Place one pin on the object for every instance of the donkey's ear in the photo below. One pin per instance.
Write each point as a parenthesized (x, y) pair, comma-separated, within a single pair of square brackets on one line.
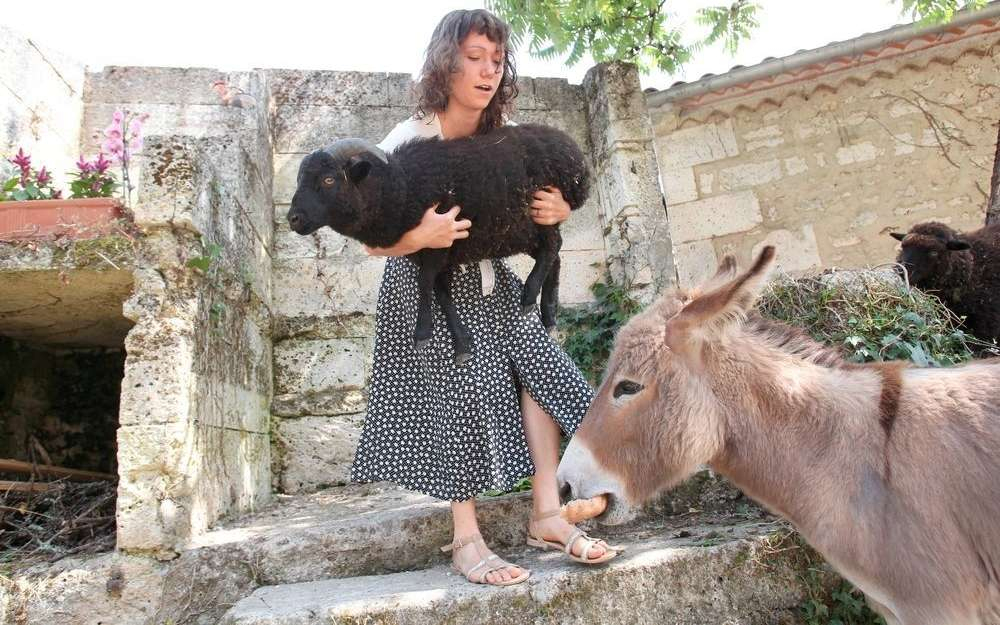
[(709, 314), (725, 272)]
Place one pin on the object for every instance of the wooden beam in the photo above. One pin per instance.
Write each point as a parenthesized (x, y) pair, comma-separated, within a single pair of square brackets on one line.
[(19, 466), (26, 487)]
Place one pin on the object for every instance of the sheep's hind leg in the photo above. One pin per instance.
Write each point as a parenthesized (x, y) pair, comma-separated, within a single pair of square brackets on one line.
[(550, 296), (463, 341), (548, 250)]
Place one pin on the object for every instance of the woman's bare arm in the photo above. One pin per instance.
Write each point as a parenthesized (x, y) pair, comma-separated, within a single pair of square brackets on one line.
[(434, 231)]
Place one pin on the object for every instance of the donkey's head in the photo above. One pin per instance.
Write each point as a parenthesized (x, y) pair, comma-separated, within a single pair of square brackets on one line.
[(655, 418)]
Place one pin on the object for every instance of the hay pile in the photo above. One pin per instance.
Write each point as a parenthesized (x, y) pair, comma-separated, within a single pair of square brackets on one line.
[(872, 315)]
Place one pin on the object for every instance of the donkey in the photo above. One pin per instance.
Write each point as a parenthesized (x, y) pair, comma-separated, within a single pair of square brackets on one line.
[(891, 472)]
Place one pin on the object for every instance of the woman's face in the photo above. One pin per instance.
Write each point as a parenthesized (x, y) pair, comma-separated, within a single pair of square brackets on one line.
[(480, 69)]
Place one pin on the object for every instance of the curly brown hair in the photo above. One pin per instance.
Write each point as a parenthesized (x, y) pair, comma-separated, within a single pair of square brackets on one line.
[(442, 58)]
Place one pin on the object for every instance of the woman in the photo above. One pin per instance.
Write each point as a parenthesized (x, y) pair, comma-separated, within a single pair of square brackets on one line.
[(454, 432)]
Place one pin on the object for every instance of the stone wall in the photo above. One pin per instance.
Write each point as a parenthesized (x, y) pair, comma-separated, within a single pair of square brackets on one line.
[(41, 92), (826, 159), (633, 212), (325, 286), (194, 423)]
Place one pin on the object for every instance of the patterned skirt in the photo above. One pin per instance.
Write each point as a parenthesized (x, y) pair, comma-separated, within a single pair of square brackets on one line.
[(453, 432)]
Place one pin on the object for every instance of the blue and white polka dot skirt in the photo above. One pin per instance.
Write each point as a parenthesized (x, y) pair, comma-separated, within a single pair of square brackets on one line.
[(453, 432)]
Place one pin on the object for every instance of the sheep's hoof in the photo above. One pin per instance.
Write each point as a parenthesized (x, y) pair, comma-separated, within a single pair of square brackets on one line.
[(462, 358), (527, 308), (550, 330), (420, 344)]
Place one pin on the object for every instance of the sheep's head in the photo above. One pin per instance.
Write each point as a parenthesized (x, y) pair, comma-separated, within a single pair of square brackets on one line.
[(335, 186), (927, 250)]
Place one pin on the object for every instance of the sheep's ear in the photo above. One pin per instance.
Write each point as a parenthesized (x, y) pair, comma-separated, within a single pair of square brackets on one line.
[(707, 316), (957, 245), (358, 168), (899, 236)]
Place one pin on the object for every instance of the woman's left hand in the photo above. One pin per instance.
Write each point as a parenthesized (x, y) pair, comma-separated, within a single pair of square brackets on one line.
[(548, 207)]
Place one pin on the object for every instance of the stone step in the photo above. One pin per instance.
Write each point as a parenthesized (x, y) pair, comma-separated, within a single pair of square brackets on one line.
[(747, 573), (342, 532), (350, 531)]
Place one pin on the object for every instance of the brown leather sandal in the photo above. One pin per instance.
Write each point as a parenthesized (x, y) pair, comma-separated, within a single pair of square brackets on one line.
[(567, 547), (487, 565)]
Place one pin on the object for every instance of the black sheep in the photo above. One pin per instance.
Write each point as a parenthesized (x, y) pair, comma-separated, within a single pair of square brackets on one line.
[(361, 192), (962, 269)]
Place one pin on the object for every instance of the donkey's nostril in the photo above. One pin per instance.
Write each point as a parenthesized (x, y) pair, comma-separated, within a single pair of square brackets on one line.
[(565, 490)]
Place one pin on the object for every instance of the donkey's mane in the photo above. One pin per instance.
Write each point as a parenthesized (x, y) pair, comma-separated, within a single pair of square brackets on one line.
[(793, 341)]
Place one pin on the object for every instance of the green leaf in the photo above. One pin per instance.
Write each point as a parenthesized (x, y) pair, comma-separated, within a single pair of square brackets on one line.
[(200, 262), (915, 319), (918, 355)]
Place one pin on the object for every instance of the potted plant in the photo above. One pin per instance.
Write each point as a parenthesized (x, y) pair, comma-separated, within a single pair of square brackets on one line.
[(30, 208)]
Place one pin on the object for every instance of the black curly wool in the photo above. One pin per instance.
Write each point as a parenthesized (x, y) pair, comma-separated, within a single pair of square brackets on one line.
[(962, 269), (375, 198)]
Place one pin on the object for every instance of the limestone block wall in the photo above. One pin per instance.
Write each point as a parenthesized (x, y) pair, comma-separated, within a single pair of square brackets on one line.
[(41, 91), (825, 160), (194, 422), (325, 286), (636, 231)]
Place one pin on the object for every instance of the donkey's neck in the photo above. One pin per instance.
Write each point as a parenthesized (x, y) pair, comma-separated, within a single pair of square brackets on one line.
[(802, 438)]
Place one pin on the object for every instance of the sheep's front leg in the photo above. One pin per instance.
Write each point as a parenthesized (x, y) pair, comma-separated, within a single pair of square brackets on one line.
[(425, 314), (549, 242), (550, 296), (463, 341)]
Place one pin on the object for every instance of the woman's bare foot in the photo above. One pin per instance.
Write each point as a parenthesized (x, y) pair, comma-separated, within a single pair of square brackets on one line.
[(555, 528)]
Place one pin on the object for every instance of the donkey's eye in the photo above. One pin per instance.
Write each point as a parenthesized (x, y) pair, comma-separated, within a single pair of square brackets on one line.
[(626, 387), (328, 181)]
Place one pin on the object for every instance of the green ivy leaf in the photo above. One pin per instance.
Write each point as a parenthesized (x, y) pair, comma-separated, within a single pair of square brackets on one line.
[(200, 262)]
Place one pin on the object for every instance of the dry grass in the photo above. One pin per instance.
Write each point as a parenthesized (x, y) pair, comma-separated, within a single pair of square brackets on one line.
[(873, 315), (75, 518)]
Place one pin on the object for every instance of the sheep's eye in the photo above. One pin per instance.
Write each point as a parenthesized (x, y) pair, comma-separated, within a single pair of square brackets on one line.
[(328, 181), (933, 254), (627, 387)]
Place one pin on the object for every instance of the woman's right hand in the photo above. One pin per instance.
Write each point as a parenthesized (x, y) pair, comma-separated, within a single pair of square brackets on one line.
[(439, 230), (434, 231)]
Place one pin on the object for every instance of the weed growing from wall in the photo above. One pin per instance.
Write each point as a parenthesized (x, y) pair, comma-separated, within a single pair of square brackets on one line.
[(589, 332)]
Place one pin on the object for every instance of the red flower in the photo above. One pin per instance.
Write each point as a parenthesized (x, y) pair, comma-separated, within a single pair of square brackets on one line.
[(101, 164), (22, 160), (83, 165)]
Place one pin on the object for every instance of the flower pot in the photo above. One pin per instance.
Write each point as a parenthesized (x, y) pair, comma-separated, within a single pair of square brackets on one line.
[(83, 218)]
